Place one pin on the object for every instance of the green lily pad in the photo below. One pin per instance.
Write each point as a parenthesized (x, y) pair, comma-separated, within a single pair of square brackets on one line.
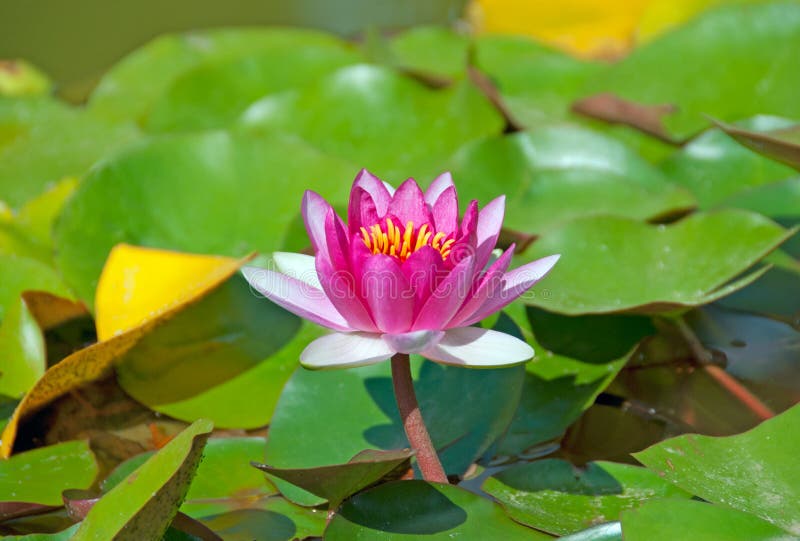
[(611, 264), (418, 510), (760, 36), (337, 482), (40, 475), (390, 124), (43, 141), (555, 496), (214, 95), (273, 520), (667, 520), (248, 399), (754, 472), (132, 86), (538, 84), (18, 274), (434, 50), (714, 167), (22, 349), (778, 200), (214, 340), (143, 505), (558, 173), (342, 412), (576, 359), (781, 144), (244, 190)]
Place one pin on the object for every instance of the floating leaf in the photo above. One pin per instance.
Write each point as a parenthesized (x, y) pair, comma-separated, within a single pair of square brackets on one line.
[(64, 535), (555, 496), (42, 141), (337, 482), (666, 520), (244, 190), (131, 87), (714, 167), (414, 509), (22, 349), (555, 174), (659, 73), (611, 531), (142, 506), (390, 124), (611, 264), (752, 472), (214, 95), (537, 83), (345, 411), (430, 50), (40, 475), (275, 520)]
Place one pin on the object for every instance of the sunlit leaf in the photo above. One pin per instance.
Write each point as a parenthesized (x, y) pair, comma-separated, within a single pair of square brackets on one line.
[(40, 475), (392, 125), (142, 506), (552, 175), (753, 472), (19, 78), (666, 520), (557, 497), (430, 50), (613, 264), (22, 349)]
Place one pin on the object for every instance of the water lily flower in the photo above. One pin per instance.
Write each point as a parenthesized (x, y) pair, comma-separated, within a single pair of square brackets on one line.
[(403, 275)]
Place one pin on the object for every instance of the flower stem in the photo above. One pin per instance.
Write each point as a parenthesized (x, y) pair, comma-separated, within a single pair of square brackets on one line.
[(417, 433)]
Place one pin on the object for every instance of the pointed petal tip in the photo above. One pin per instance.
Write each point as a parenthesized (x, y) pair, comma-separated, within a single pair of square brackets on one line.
[(345, 350), (474, 347)]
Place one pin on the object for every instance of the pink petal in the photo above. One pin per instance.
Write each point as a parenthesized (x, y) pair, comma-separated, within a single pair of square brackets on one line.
[(345, 351), (339, 287), (414, 341), (376, 188), (387, 293), (479, 348), (445, 211), (490, 221), (295, 296), (408, 204), (517, 282), (424, 269), (443, 303), (315, 209), (362, 211), (437, 187), (488, 285)]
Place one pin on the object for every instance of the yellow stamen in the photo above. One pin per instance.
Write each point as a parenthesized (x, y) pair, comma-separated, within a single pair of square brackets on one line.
[(421, 241), (436, 239), (401, 243), (366, 237)]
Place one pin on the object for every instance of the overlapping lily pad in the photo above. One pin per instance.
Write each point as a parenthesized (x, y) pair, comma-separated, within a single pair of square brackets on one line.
[(611, 264), (211, 193), (714, 167), (759, 36), (557, 497), (555, 174), (781, 143), (430, 50), (754, 472), (40, 475), (392, 125), (43, 141), (406, 510), (129, 89), (345, 411)]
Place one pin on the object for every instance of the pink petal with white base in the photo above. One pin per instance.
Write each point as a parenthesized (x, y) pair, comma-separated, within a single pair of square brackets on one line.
[(443, 303), (479, 348), (299, 266), (295, 296), (490, 221), (517, 282), (414, 341), (349, 350)]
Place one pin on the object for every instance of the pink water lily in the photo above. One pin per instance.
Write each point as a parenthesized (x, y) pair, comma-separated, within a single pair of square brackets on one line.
[(403, 275)]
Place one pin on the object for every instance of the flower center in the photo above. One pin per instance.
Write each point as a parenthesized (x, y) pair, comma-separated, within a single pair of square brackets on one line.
[(401, 243)]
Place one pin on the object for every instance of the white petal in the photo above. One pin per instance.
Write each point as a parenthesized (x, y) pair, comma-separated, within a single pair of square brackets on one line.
[(388, 187), (297, 297), (414, 341), (299, 266), (345, 350), (480, 348)]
